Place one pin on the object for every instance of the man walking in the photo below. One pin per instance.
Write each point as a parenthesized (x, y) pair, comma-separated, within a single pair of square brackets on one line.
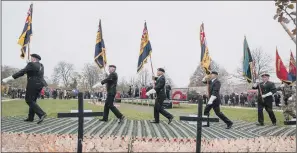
[(215, 100), (288, 100), (265, 99), (111, 87), (159, 89), (35, 83)]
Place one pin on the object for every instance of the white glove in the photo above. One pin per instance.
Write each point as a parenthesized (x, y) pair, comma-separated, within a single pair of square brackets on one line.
[(96, 85), (152, 91), (255, 85), (291, 98), (204, 79), (282, 85), (211, 99), (7, 79), (266, 95)]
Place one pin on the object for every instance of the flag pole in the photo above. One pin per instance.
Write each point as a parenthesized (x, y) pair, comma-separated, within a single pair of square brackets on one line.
[(103, 49), (29, 51), (151, 60), (152, 65)]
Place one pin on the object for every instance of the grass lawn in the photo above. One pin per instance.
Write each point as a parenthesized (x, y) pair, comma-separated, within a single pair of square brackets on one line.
[(135, 112)]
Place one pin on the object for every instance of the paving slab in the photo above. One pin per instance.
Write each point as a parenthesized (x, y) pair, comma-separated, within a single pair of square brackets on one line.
[(143, 128)]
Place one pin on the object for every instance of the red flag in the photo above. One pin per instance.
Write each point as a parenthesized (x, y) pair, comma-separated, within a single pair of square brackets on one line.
[(292, 68), (281, 71)]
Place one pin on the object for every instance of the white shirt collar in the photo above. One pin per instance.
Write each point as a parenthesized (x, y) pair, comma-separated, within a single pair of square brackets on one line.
[(213, 79)]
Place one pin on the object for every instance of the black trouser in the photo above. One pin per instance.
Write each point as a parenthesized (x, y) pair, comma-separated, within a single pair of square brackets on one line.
[(168, 94), (216, 109), (109, 105), (158, 108), (277, 103), (269, 110), (31, 99)]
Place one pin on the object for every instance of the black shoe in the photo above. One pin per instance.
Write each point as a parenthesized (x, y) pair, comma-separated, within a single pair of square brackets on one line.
[(103, 120), (205, 126), (229, 125), (170, 120), (273, 124), (260, 124), (41, 119), (154, 122), (28, 120), (121, 119)]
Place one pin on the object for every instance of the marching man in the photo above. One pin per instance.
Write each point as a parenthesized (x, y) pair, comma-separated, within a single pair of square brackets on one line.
[(159, 89), (214, 101), (35, 83), (288, 100), (265, 99), (111, 82)]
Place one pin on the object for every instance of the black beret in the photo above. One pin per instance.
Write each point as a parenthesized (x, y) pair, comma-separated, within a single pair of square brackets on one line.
[(161, 69), (214, 72), (113, 66), (36, 56), (265, 74)]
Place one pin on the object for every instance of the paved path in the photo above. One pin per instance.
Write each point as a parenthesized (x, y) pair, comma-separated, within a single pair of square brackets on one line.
[(7, 100), (143, 128), (239, 107)]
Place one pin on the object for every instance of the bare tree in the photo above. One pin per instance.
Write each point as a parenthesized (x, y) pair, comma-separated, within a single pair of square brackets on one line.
[(262, 64), (144, 77), (132, 81), (196, 78), (92, 74), (7, 71), (123, 85), (169, 81), (63, 71), (82, 83)]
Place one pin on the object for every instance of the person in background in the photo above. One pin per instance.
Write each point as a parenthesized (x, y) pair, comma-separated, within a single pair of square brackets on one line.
[(277, 98), (42, 93), (136, 95), (241, 99), (168, 89)]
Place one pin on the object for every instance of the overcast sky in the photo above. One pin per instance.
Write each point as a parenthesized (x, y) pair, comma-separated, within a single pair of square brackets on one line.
[(66, 31)]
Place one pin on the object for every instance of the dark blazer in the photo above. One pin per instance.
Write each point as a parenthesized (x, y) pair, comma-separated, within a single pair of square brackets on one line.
[(35, 72), (160, 86), (111, 83), (214, 90), (265, 88)]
